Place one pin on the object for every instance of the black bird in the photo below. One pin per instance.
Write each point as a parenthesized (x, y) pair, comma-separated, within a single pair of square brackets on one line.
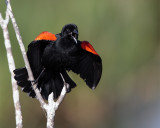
[(49, 55)]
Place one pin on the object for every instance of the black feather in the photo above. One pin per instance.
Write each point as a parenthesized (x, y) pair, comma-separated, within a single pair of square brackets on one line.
[(50, 58)]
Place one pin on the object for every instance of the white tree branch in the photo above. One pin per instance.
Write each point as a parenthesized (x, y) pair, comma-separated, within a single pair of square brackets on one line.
[(18, 114), (20, 42), (63, 93), (52, 106)]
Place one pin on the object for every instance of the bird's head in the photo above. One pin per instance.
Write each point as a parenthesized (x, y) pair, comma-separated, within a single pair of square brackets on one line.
[(71, 31)]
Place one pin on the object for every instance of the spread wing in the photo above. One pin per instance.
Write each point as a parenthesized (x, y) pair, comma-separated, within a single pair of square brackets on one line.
[(89, 65), (36, 49)]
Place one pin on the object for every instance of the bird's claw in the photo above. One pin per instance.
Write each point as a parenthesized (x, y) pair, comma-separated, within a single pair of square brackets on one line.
[(34, 82)]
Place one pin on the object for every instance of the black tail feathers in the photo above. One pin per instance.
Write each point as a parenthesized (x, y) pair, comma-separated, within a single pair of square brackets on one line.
[(21, 76), (50, 82), (47, 83)]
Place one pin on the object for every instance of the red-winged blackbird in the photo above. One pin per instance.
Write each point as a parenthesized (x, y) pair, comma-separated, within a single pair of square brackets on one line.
[(49, 55)]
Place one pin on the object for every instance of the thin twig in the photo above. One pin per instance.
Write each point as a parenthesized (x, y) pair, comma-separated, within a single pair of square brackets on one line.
[(63, 93), (19, 38), (52, 106), (11, 64)]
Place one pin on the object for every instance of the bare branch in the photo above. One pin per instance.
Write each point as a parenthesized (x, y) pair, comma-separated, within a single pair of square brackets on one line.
[(50, 111), (63, 93), (19, 38), (52, 106), (4, 24)]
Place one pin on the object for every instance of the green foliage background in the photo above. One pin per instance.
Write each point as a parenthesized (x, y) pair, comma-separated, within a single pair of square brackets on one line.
[(125, 33)]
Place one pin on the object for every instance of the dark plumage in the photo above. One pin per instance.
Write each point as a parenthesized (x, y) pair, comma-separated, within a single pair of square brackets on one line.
[(49, 55)]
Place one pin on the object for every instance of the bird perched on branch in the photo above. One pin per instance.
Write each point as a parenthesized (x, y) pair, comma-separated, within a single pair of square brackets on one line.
[(51, 55)]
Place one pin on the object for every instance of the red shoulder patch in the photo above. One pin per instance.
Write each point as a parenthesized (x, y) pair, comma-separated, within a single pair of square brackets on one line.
[(88, 47), (46, 36)]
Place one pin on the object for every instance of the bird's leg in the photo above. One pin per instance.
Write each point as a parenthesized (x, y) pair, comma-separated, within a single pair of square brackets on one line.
[(35, 81)]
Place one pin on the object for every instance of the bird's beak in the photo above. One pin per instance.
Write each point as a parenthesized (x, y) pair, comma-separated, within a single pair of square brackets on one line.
[(74, 39), (73, 36)]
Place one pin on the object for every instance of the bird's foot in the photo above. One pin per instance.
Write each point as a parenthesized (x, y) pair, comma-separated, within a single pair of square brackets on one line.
[(34, 82)]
